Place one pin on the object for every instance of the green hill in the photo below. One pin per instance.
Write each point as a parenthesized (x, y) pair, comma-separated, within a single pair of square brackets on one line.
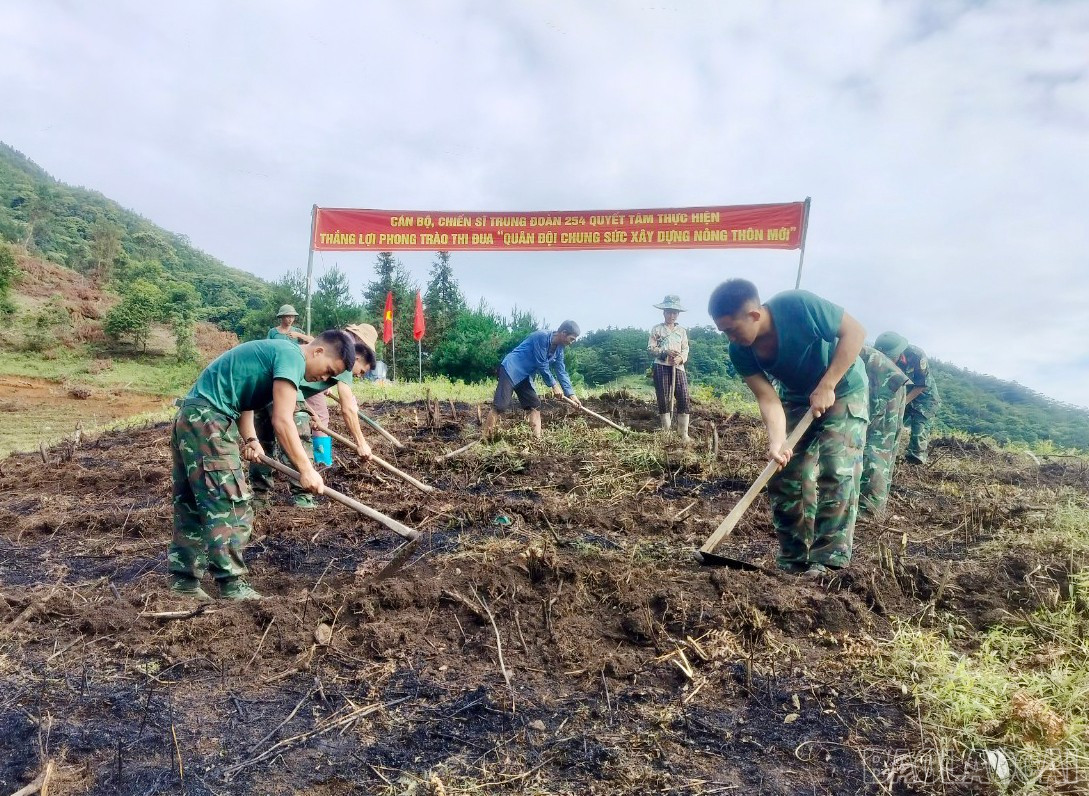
[(1007, 411), (94, 236)]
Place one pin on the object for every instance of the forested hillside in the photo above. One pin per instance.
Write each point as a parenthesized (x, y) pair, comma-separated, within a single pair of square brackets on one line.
[(115, 247), (1007, 411)]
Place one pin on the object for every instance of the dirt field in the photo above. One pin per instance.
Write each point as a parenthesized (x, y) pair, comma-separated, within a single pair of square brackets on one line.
[(32, 410), (552, 634)]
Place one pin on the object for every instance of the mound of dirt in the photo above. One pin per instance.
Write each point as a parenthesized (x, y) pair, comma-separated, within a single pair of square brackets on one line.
[(551, 634)]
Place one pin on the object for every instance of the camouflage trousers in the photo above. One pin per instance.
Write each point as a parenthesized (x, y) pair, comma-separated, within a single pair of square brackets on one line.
[(261, 475), (879, 458), (920, 424), (814, 499), (212, 515)]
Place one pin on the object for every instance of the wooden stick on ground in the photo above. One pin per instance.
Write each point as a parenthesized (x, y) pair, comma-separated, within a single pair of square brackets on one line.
[(373, 424), (592, 413), (458, 452), (40, 783)]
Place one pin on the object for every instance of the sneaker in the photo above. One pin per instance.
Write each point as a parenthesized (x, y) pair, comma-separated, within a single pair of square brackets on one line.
[(190, 588), (305, 502), (237, 589)]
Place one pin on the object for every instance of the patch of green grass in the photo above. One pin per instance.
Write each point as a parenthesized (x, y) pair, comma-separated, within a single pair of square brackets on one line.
[(149, 373)]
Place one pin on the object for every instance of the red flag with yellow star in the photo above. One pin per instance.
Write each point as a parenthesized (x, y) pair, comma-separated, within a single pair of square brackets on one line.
[(387, 319)]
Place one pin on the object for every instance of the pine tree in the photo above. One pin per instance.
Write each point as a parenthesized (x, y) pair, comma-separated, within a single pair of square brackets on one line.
[(332, 306), (443, 301), (391, 275)]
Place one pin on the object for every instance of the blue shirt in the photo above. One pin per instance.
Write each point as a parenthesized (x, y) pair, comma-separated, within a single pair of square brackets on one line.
[(532, 357)]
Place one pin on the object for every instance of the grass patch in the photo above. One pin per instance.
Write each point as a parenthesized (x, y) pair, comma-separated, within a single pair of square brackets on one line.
[(1015, 709), (1024, 693), (148, 373)]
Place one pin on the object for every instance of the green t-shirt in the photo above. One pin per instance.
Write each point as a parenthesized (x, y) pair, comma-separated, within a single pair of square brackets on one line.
[(241, 379), (807, 327), (275, 334), (308, 388)]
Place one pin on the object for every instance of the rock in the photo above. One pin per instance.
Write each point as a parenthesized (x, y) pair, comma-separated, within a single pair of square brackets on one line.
[(323, 634)]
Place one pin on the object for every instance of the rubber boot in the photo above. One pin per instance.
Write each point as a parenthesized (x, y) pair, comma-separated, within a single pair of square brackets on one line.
[(667, 422), (535, 422), (682, 428)]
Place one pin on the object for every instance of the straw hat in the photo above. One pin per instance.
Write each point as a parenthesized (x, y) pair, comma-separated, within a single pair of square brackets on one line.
[(287, 309), (670, 303), (365, 332)]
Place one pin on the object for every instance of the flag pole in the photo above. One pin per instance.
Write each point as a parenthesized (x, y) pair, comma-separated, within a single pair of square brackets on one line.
[(393, 353), (801, 255), (310, 264), (420, 350)]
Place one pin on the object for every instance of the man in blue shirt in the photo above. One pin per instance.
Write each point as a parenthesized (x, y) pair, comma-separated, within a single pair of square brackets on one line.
[(533, 355)]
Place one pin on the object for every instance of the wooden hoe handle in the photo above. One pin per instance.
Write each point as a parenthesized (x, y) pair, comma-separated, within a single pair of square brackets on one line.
[(401, 530), (420, 485), (373, 424), (742, 506), (595, 414)]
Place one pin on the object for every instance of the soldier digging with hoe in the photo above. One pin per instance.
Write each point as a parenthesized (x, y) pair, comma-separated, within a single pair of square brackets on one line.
[(213, 433), (810, 346)]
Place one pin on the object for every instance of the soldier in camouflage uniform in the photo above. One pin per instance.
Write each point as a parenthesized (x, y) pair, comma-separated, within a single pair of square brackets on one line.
[(810, 346), (212, 516), (262, 476), (922, 396), (887, 393)]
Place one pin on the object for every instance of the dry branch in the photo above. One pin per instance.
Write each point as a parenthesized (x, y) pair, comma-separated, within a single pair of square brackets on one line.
[(452, 454), (498, 647), (40, 783)]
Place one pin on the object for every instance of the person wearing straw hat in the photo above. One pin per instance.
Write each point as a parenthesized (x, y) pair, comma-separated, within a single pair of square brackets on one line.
[(669, 346), (262, 476), (287, 330), (922, 397)]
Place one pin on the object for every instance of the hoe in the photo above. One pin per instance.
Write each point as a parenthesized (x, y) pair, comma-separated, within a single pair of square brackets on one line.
[(411, 536), (707, 554)]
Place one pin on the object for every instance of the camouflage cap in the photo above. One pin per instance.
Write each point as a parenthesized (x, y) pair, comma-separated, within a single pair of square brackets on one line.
[(286, 309), (891, 344)]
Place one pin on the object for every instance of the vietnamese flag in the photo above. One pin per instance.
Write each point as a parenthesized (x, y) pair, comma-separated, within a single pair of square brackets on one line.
[(387, 319), (419, 327)]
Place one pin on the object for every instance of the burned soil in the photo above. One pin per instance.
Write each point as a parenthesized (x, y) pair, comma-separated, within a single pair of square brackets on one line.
[(552, 633)]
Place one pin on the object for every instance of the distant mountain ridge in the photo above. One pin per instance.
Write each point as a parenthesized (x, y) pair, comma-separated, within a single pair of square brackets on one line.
[(95, 236)]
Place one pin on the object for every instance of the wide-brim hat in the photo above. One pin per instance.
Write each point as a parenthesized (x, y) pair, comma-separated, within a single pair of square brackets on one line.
[(891, 344), (287, 309), (367, 334), (670, 303)]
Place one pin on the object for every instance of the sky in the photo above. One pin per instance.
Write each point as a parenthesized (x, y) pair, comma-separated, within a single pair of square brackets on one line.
[(945, 145)]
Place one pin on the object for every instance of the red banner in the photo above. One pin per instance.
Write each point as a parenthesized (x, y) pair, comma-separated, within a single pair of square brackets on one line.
[(419, 326), (773, 226)]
